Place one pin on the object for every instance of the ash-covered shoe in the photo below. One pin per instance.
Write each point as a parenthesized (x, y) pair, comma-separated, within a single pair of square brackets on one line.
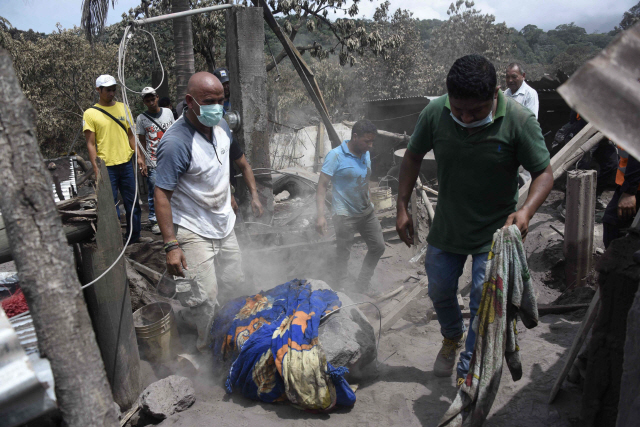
[(446, 359), (155, 229)]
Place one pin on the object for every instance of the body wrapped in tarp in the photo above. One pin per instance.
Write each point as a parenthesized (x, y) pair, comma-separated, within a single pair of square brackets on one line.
[(272, 339)]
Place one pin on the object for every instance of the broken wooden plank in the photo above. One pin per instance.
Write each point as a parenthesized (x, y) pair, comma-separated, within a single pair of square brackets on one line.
[(566, 153), (389, 295), (71, 204), (130, 413), (76, 233), (578, 341), (401, 308), (559, 309), (429, 190), (426, 200), (144, 269)]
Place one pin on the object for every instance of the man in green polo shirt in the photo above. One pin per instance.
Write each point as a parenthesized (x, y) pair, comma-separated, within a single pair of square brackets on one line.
[(479, 138)]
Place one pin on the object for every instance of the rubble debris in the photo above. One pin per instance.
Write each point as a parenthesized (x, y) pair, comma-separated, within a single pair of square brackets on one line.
[(284, 195), (166, 397), (147, 374), (347, 337)]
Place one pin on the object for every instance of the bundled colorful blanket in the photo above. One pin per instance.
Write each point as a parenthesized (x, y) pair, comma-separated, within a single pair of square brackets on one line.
[(272, 338), (506, 294)]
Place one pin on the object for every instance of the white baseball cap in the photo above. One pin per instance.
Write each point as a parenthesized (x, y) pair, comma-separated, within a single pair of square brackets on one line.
[(148, 91), (105, 80)]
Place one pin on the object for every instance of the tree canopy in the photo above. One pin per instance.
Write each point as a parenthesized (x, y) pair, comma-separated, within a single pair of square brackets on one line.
[(393, 54)]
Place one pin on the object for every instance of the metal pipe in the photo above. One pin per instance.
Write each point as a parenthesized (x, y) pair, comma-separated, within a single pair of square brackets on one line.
[(143, 21)]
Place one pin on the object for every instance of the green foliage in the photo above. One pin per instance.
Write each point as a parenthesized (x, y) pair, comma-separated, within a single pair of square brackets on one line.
[(629, 19), (467, 31), (57, 74), (401, 71), (565, 48)]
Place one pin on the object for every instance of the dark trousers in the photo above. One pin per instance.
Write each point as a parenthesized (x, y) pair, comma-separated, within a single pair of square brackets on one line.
[(612, 226), (123, 179), (151, 185), (369, 228), (603, 158)]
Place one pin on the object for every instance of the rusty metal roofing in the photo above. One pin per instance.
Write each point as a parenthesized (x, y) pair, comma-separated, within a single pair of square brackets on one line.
[(606, 91)]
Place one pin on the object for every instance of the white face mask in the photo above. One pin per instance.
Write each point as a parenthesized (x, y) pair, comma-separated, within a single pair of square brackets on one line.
[(477, 123)]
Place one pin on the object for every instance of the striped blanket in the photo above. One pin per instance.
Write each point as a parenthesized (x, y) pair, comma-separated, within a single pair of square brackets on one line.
[(507, 293)]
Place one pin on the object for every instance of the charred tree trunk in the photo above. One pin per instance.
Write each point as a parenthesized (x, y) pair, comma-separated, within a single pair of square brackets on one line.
[(45, 264), (183, 45)]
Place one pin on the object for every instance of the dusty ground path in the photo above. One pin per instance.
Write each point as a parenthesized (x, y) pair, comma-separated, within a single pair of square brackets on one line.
[(404, 391)]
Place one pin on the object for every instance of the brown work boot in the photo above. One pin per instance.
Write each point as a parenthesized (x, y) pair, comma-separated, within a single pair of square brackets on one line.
[(446, 360)]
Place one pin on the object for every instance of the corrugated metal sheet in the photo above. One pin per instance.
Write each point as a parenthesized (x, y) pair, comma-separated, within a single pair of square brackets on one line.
[(26, 385), (606, 91)]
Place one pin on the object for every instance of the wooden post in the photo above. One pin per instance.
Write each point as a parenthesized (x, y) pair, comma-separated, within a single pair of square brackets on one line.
[(108, 299), (45, 264), (579, 223), (245, 51)]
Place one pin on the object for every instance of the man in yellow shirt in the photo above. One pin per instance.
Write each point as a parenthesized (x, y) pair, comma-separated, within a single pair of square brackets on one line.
[(107, 129)]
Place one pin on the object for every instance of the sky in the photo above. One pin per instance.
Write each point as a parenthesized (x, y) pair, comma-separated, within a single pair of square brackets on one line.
[(593, 15)]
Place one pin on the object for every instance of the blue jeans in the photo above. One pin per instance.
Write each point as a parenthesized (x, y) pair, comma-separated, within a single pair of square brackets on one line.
[(443, 271), (123, 179), (151, 185)]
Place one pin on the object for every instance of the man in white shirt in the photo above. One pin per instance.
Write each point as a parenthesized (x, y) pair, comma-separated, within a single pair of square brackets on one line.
[(519, 90), (193, 205)]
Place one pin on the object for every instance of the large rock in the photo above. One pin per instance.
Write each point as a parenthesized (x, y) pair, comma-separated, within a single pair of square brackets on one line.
[(166, 397), (347, 337)]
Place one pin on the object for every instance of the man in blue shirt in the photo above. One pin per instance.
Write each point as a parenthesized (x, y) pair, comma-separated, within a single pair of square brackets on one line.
[(348, 168)]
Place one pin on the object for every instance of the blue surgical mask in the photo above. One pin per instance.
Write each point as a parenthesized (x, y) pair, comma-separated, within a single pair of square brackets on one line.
[(210, 115), (477, 123)]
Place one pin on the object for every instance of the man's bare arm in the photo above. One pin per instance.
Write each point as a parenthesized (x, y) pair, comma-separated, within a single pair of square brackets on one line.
[(250, 180), (409, 170), (321, 194), (176, 260), (541, 185)]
